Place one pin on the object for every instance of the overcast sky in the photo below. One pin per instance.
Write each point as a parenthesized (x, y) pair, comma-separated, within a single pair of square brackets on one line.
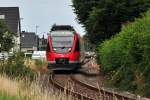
[(44, 13)]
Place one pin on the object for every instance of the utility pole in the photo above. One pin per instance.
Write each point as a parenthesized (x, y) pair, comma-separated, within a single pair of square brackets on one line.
[(36, 27)]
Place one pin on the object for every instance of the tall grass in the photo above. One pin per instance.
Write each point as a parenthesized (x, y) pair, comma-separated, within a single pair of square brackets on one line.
[(6, 96), (19, 82), (14, 67), (38, 89)]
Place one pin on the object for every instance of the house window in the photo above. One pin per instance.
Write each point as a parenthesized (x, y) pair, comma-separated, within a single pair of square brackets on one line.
[(2, 16), (22, 35)]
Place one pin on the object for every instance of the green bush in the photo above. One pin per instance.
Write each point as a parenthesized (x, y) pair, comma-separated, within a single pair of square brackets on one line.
[(126, 57), (15, 68)]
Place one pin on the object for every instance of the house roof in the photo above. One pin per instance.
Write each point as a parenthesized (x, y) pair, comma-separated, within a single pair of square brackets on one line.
[(12, 18), (29, 40)]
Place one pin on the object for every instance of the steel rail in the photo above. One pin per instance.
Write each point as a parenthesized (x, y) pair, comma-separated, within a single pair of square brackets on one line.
[(75, 94), (103, 91)]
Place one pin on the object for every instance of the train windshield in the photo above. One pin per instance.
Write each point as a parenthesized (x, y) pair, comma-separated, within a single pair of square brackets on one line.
[(62, 42)]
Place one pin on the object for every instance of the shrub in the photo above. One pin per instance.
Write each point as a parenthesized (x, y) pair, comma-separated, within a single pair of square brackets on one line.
[(15, 68), (126, 57)]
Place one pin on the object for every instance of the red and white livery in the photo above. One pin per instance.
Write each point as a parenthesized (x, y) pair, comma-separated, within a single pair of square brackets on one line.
[(64, 50)]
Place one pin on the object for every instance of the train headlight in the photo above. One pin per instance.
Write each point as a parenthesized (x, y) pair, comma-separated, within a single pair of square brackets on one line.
[(69, 49)]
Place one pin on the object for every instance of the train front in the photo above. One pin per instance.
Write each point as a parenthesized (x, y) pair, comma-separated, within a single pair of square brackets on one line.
[(63, 51)]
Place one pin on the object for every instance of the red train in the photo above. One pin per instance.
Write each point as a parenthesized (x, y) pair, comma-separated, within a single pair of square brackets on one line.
[(64, 48)]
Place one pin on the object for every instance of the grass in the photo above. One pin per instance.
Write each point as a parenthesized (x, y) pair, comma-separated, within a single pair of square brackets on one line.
[(14, 67), (8, 85), (20, 86), (12, 89), (9, 89), (36, 65), (5, 96), (20, 79)]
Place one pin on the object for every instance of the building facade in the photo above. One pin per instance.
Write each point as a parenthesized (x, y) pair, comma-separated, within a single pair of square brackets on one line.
[(29, 42), (12, 18), (42, 44)]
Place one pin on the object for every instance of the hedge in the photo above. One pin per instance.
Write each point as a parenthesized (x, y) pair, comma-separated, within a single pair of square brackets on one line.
[(125, 58)]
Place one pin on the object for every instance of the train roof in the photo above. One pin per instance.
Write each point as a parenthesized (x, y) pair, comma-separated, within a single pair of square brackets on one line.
[(62, 27)]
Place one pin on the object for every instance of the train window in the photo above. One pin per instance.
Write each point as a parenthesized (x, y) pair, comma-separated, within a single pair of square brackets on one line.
[(77, 48), (62, 44), (62, 41), (48, 47)]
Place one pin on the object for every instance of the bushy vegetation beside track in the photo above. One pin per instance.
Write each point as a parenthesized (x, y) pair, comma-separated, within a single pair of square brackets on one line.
[(125, 58), (14, 67)]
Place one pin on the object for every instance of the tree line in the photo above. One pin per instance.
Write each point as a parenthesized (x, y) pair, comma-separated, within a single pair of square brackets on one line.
[(102, 19)]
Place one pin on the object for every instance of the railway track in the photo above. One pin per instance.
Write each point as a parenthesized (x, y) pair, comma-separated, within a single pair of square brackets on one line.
[(82, 91)]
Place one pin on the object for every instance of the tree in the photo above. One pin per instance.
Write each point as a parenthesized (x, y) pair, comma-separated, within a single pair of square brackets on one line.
[(6, 37), (82, 8), (104, 18)]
